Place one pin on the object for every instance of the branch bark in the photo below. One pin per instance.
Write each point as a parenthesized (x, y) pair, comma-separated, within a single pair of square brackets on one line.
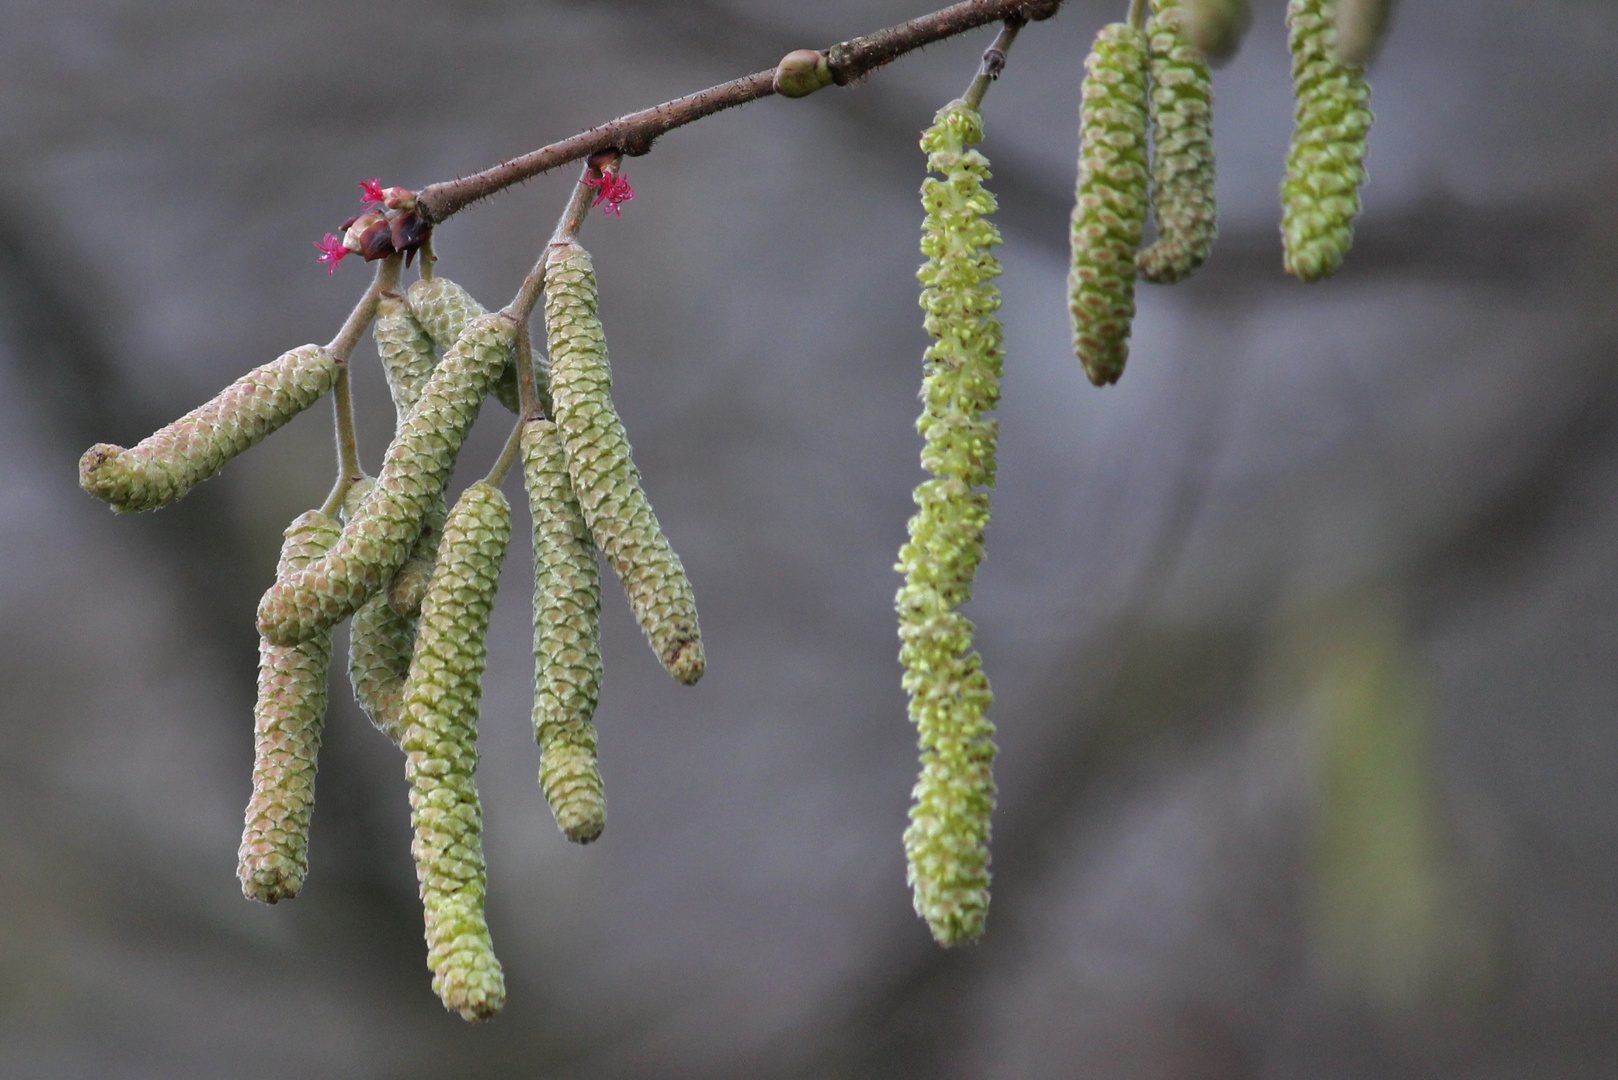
[(634, 134)]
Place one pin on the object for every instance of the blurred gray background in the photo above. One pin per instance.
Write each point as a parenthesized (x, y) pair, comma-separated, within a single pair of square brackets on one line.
[(1303, 636)]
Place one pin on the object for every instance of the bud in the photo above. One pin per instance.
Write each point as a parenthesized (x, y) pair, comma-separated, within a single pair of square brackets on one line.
[(1216, 27), (417, 466), (1320, 195), (801, 73), (603, 472), (946, 845), (567, 638), (1110, 212), (444, 309), (1181, 106), (170, 462), (440, 744), (287, 721)]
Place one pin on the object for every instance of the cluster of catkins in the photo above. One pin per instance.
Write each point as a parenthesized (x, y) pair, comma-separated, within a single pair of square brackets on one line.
[(1156, 77), (1149, 74), (419, 580)]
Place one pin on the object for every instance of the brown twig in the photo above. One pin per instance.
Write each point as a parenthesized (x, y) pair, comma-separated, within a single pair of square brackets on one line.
[(634, 134)]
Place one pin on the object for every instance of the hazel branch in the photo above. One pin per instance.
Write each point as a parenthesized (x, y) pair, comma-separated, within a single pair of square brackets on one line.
[(994, 62), (634, 134)]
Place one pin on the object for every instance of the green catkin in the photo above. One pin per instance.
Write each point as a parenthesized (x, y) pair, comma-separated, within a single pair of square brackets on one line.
[(417, 466), (567, 639), (170, 462), (440, 743), (1181, 106), (1109, 214), (1216, 27), (1320, 195), (379, 645), (947, 842), (444, 309), (1360, 25), (409, 585), (408, 357), (604, 475), (287, 721)]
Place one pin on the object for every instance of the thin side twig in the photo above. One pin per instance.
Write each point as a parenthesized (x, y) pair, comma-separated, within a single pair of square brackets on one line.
[(634, 134)]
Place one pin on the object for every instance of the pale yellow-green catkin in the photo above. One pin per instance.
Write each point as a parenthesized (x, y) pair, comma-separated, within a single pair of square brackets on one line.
[(1216, 27), (380, 642), (170, 462), (409, 585), (1360, 25), (604, 475), (440, 743), (417, 466), (567, 639), (1181, 106), (287, 722), (947, 842), (444, 309), (407, 352), (379, 645), (1109, 214), (1320, 196)]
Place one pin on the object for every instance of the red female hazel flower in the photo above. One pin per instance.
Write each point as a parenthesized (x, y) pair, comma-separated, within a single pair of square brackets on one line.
[(613, 189), (373, 190), (332, 251)]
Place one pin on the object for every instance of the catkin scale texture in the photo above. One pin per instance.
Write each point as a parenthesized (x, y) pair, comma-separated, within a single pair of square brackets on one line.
[(567, 638), (444, 309), (407, 352), (1109, 214), (604, 476), (947, 841), (1325, 167), (173, 460), (441, 754), (417, 466), (380, 642), (1181, 108), (287, 721)]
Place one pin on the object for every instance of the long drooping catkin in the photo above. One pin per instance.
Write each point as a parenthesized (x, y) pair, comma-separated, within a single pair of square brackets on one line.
[(444, 309), (1109, 214), (604, 475), (407, 352), (947, 843), (1181, 106), (417, 466), (287, 722), (440, 743), (567, 638), (380, 642), (1320, 196), (170, 462)]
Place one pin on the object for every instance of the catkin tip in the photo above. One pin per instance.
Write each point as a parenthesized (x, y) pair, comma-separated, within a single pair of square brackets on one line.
[(686, 660)]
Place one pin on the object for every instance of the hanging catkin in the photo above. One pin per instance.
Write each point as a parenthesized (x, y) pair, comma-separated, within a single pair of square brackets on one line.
[(1109, 214), (444, 309), (170, 462), (1216, 27), (1181, 106), (407, 352), (409, 585), (567, 645), (604, 475), (408, 357), (417, 466), (947, 842), (440, 743), (1320, 195), (287, 721)]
